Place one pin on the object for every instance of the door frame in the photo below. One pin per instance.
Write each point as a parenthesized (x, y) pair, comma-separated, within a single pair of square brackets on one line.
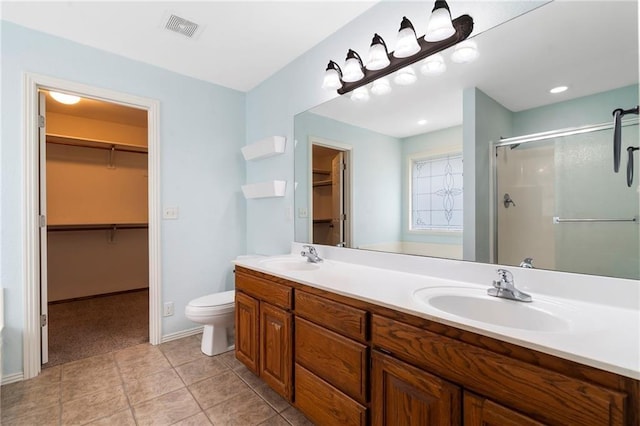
[(32, 83), (347, 185)]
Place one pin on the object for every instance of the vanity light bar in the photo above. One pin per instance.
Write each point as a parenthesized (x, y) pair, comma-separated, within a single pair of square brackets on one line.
[(463, 26)]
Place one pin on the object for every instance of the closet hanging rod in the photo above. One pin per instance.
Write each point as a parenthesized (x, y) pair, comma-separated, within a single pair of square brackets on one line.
[(557, 219), (101, 227), (88, 143), (534, 137)]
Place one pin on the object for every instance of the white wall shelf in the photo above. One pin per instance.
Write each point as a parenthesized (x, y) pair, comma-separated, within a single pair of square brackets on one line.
[(273, 188), (264, 148)]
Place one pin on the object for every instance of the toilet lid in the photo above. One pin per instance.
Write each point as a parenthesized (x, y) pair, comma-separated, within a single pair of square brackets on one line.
[(215, 299)]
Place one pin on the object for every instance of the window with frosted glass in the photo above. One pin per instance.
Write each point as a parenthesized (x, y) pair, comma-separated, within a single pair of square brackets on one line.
[(436, 193)]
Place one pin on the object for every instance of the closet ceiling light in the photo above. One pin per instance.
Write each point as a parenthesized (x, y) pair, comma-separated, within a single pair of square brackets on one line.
[(409, 49), (558, 89), (64, 98), (422, 122), (407, 44), (440, 26)]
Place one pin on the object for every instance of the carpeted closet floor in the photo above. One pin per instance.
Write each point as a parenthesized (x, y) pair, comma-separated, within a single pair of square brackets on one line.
[(84, 328)]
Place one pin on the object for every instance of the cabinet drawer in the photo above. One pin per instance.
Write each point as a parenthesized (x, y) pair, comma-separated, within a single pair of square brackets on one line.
[(336, 316), (547, 396), (268, 291), (324, 404), (335, 358)]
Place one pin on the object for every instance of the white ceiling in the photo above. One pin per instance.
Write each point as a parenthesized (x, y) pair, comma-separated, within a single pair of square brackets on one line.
[(589, 46), (241, 44)]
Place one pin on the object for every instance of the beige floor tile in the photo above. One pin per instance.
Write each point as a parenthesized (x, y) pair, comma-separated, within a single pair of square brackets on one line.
[(166, 409), (152, 386), (121, 418), (52, 374), (19, 398), (229, 358), (43, 415), (89, 381), (295, 417), (199, 419), (140, 361), (274, 399), (182, 351), (249, 377), (245, 409), (200, 369), (94, 406), (276, 420), (217, 389), (98, 362)]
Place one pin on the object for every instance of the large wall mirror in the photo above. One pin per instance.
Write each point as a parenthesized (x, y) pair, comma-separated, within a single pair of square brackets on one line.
[(433, 169)]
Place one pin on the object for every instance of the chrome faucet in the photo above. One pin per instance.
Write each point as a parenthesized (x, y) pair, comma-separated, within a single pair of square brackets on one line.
[(311, 254), (527, 262), (506, 289)]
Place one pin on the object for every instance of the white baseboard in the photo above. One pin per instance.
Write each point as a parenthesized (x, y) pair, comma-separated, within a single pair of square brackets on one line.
[(181, 334), (12, 378)]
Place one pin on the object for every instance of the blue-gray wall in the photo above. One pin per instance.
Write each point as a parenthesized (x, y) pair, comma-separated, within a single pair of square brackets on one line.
[(376, 178), (202, 127)]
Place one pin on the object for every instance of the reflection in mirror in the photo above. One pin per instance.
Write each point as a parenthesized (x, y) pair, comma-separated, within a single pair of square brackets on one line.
[(408, 192)]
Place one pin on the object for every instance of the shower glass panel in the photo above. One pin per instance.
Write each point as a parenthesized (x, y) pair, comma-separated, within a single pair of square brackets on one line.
[(557, 183)]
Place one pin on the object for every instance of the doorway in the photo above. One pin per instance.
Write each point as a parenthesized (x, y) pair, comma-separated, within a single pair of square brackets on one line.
[(95, 254), (35, 228), (330, 195)]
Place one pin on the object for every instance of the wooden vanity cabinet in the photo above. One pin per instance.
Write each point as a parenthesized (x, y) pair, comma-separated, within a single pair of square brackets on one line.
[(331, 360), (479, 411), (264, 330)]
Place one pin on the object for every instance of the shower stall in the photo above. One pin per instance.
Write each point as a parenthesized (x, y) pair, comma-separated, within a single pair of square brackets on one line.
[(558, 201)]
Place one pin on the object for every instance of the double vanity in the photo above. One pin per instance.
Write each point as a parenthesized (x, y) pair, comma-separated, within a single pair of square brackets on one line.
[(369, 338)]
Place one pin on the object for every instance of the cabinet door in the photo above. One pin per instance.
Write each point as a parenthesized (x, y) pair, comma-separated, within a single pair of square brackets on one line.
[(480, 411), (247, 331), (405, 395), (275, 348)]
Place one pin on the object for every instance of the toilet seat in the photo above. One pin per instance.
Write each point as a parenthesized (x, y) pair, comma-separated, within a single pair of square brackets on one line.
[(216, 299)]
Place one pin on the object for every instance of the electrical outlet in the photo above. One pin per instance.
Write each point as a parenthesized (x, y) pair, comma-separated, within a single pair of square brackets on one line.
[(168, 309), (170, 213), (303, 212)]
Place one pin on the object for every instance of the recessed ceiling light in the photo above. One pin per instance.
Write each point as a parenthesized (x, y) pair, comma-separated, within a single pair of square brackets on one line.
[(558, 89), (422, 122)]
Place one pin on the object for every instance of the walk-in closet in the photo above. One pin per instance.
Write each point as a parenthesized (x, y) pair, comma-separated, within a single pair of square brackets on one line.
[(97, 256)]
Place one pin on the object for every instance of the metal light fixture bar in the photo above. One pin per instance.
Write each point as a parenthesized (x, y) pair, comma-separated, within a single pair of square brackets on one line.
[(463, 26)]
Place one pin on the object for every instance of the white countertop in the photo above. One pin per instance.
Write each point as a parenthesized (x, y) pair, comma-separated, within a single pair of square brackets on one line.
[(603, 334)]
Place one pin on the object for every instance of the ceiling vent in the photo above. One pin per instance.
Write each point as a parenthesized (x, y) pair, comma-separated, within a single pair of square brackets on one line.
[(181, 26)]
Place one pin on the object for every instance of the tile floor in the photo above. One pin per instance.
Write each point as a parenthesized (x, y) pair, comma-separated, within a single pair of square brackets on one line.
[(168, 384)]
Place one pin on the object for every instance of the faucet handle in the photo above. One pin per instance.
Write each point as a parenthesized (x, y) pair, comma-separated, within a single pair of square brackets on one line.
[(506, 277)]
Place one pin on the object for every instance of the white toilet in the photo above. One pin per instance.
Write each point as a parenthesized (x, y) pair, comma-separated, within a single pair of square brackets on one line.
[(216, 311)]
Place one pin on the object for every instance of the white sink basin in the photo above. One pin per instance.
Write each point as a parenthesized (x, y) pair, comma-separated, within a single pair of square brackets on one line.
[(289, 264), (472, 303)]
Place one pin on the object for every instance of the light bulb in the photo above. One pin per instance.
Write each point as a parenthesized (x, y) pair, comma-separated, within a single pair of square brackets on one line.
[(465, 51), (405, 77), (378, 55), (433, 65), (361, 94), (407, 44), (352, 70), (381, 87), (439, 26), (331, 80)]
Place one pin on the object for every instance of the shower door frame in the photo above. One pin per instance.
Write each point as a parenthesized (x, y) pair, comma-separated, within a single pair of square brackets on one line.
[(532, 137)]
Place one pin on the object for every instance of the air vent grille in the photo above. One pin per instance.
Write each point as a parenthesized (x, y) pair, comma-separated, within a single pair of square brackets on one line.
[(181, 25)]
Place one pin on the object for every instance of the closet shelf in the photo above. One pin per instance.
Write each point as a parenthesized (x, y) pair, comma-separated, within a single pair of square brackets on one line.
[(94, 143), (273, 188), (264, 148), (97, 226), (323, 182)]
